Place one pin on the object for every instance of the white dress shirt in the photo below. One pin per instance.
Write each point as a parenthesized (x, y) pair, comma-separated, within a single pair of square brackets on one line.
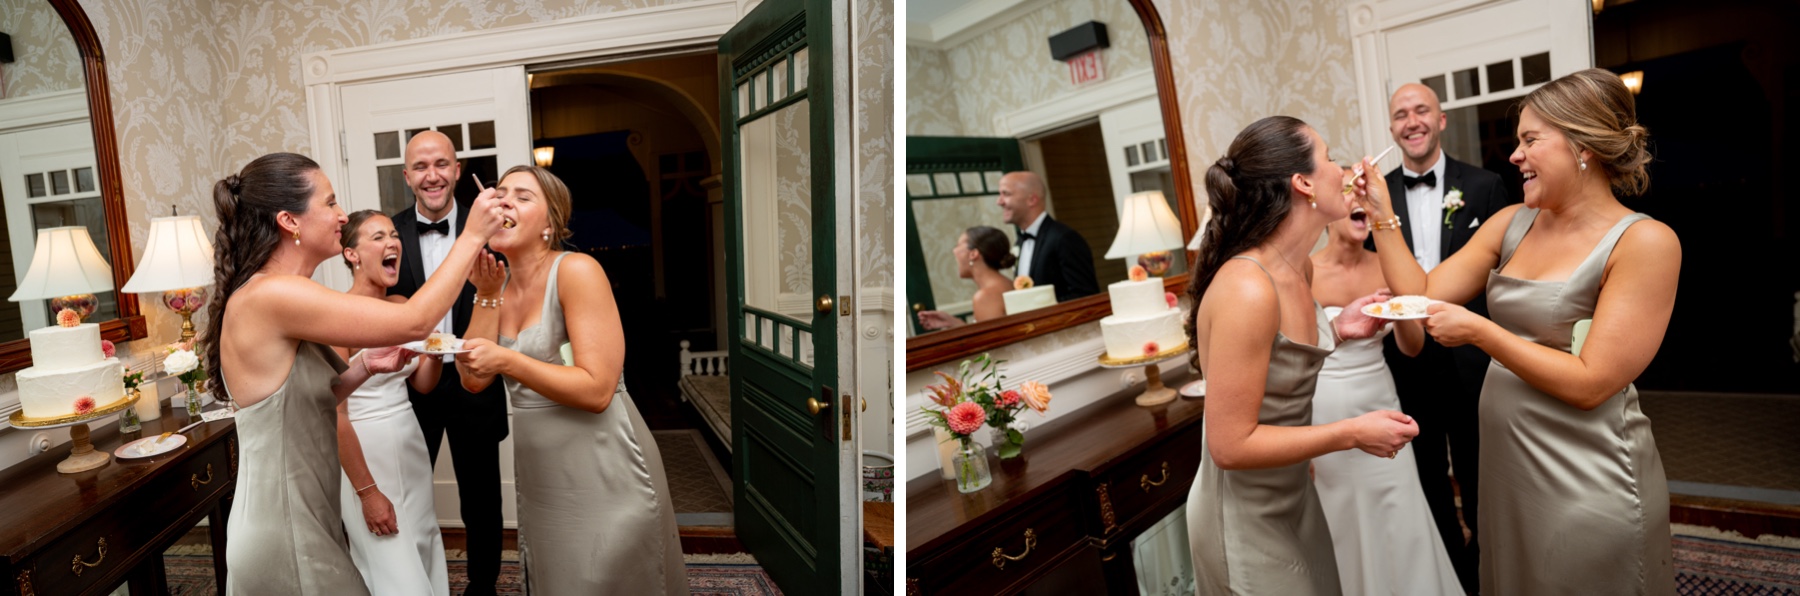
[(1025, 249), (433, 249), (1425, 205)]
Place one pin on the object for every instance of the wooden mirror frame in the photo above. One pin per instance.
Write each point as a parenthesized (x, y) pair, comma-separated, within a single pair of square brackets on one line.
[(130, 325), (930, 349)]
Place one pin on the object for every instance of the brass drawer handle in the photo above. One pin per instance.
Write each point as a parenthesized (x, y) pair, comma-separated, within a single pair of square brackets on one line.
[(195, 480), (1000, 556), (79, 565), (1148, 484)]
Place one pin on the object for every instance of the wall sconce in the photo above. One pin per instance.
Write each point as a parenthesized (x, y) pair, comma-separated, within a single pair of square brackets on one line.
[(1599, 5), (543, 156), (1634, 81)]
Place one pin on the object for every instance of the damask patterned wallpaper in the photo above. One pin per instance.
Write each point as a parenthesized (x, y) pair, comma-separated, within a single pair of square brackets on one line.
[(874, 74), (930, 94), (44, 55), (1009, 67)]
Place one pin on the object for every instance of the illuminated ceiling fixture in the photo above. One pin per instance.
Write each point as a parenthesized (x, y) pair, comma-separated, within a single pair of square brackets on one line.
[(1634, 81), (543, 156)]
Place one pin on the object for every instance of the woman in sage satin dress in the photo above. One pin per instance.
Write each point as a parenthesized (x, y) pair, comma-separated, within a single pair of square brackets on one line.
[(267, 349), (1573, 495), (1255, 525), (594, 509)]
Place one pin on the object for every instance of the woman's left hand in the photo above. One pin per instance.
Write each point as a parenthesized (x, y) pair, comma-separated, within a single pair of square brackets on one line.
[(483, 358), (1453, 325), (387, 360), (1353, 324)]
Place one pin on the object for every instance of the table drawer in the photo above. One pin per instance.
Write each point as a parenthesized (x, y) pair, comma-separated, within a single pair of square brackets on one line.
[(1012, 552), (1137, 486), (187, 484)]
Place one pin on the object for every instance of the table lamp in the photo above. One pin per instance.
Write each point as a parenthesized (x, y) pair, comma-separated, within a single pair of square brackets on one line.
[(178, 261), (1149, 229), (66, 269)]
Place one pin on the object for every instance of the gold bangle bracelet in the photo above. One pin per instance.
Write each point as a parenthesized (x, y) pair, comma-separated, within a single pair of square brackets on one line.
[(1392, 223), (494, 302)]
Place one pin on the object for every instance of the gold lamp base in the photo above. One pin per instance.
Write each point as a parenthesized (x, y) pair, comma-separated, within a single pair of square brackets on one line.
[(1156, 263)]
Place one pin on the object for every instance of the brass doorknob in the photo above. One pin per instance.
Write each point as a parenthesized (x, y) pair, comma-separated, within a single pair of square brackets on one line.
[(918, 306), (823, 304), (815, 406)]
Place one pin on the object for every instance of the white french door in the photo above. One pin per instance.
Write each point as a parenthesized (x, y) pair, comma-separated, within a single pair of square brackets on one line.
[(47, 176), (486, 114), (1472, 52)]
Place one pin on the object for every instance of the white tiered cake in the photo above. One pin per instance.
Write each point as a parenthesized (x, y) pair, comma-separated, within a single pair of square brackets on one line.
[(1143, 322), (67, 366), (1032, 298)]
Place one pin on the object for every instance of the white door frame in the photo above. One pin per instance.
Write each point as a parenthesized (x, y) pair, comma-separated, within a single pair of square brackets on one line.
[(1566, 32)]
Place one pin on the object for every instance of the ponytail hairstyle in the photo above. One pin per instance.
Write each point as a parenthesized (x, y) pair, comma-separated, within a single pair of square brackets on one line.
[(247, 203), (991, 244), (351, 231), (1248, 194)]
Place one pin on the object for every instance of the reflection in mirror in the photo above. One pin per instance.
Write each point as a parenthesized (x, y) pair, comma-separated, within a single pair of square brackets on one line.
[(47, 163), (1082, 132)]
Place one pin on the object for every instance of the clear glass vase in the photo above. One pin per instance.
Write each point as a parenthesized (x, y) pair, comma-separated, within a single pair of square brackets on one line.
[(193, 400), (971, 468), (128, 417)]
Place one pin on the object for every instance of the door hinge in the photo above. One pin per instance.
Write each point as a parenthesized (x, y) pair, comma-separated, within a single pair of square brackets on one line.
[(843, 306), (344, 145), (845, 413)]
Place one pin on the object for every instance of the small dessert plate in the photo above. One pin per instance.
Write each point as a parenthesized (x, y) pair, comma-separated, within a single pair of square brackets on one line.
[(150, 447), (1194, 389), (419, 346), (1411, 308)]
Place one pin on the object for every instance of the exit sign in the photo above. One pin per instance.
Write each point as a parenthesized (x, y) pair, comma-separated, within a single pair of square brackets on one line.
[(1086, 70)]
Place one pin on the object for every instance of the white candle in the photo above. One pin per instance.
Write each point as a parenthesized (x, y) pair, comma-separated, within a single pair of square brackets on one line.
[(148, 407), (948, 447)]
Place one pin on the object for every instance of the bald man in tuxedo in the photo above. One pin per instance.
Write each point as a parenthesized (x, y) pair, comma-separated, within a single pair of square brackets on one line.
[(1050, 252)]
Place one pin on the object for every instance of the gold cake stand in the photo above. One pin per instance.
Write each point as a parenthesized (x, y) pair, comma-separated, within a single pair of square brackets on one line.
[(1155, 394), (83, 457)]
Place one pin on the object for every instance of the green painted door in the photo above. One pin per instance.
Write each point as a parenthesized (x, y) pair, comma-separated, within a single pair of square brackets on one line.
[(777, 115), (940, 172)]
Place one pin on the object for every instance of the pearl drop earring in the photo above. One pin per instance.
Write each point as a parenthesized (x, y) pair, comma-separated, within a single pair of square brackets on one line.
[(1584, 165)]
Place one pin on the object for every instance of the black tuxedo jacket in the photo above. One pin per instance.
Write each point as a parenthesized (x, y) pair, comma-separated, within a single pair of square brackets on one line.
[(449, 398), (1483, 196), (1062, 257)]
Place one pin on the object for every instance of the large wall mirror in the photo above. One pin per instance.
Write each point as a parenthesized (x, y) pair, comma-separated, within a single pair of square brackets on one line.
[(987, 97), (59, 165)]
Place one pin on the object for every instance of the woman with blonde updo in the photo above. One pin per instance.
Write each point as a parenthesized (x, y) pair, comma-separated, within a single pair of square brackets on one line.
[(1573, 496), (1255, 524), (594, 510)]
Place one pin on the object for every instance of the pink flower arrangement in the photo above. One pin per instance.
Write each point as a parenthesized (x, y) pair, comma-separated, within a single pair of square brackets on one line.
[(107, 348), (83, 404), (965, 418)]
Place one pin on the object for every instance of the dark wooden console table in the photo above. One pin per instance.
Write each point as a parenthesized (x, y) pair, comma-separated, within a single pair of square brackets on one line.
[(1060, 518), (89, 532)]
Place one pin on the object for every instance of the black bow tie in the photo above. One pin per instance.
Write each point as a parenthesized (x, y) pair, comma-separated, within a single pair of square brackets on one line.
[(441, 227), (1023, 236), (1429, 179)]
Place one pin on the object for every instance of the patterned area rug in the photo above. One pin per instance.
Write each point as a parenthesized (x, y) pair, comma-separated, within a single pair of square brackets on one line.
[(1728, 568), (708, 575), (698, 485)]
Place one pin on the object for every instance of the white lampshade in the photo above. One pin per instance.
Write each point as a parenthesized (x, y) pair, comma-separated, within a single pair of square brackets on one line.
[(1146, 224), (179, 255), (64, 263)]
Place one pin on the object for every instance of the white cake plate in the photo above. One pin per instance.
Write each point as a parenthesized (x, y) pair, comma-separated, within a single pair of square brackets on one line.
[(83, 457), (1155, 394)]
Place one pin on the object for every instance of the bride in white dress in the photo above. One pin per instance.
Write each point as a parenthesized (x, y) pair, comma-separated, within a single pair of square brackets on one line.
[(388, 510), (1381, 529)]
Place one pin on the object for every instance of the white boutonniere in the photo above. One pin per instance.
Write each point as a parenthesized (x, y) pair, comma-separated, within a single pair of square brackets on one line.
[(1452, 202)]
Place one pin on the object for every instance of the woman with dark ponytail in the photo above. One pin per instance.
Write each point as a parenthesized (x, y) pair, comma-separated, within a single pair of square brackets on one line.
[(267, 349), (1255, 525), (1581, 287), (980, 254)]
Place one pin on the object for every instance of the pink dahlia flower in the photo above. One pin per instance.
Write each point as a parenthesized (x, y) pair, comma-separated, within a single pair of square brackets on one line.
[(1009, 399), (965, 418)]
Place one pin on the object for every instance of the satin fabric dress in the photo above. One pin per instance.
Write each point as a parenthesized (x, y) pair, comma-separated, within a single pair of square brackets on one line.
[(594, 509), (411, 560), (1381, 529), (1262, 531), (285, 534), (1572, 502)]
